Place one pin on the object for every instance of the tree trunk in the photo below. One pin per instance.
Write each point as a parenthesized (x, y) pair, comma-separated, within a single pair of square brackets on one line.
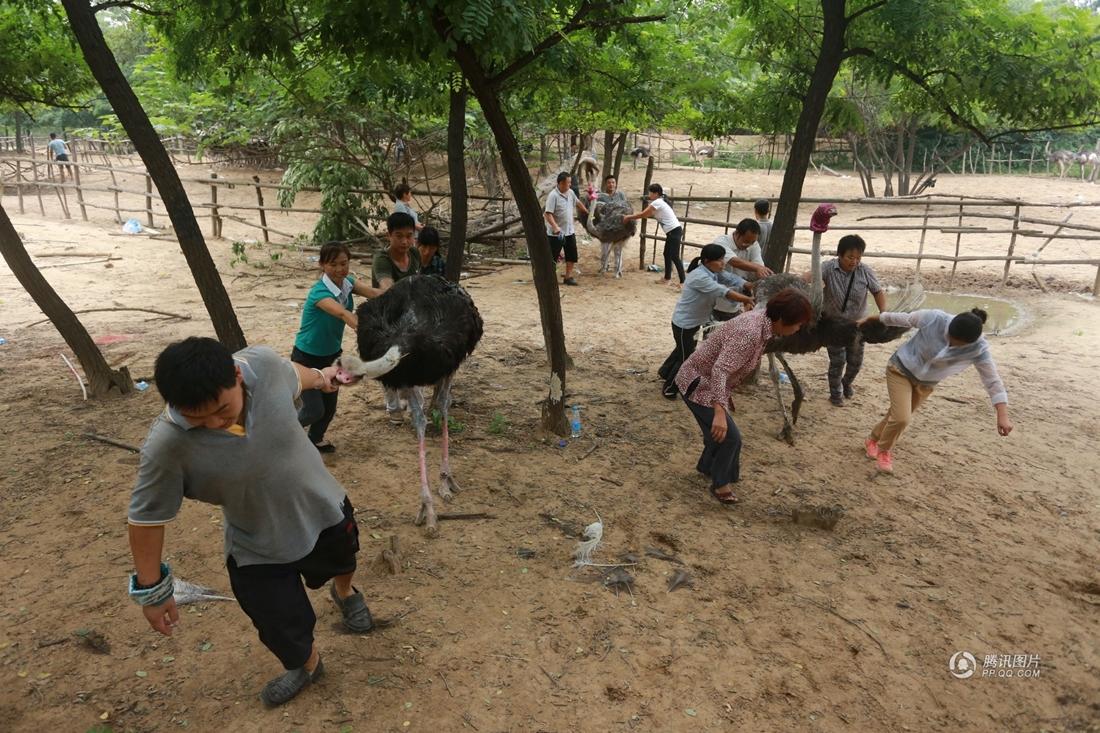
[(18, 131), (101, 378), (544, 156), (619, 149), (542, 264), (608, 149), (813, 106), (148, 145), (456, 173)]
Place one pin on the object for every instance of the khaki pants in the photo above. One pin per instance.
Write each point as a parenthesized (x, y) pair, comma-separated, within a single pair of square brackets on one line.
[(905, 398)]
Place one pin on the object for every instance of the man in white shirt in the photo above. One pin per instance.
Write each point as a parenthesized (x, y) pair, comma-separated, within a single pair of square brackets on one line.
[(745, 261), (561, 206)]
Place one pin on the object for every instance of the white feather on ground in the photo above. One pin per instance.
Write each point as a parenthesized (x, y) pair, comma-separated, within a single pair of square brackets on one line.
[(593, 534)]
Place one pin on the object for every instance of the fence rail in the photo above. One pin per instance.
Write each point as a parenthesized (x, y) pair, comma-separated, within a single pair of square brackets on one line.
[(962, 208)]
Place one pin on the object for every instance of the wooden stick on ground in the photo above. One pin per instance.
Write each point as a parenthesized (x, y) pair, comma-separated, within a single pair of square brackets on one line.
[(139, 310), (469, 515), (847, 620), (392, 556), (112, 441)]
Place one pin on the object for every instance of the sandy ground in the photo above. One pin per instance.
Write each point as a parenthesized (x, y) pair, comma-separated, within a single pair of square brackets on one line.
[(977, 543)]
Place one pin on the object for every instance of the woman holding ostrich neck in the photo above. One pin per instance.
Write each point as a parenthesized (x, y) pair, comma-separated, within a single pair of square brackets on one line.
[(728, 356)]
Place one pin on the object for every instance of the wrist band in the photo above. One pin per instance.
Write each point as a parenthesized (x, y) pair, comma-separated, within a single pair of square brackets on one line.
[(156, 594), (321, 375)]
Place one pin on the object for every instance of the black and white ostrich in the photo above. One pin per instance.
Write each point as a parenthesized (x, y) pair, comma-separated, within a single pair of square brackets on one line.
[(414, 335), (826, 328)]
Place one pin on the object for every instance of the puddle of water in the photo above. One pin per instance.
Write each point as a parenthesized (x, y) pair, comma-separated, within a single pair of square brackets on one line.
[(1002, 314)]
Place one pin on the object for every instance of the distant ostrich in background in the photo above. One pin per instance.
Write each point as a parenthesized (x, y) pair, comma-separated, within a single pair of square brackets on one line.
[(417, 334), (1064, 159), (1090, 160), (706, 151), (639, 152), (825, 328)]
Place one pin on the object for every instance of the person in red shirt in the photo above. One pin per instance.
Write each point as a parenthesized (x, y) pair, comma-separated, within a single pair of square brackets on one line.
[(724, 360)]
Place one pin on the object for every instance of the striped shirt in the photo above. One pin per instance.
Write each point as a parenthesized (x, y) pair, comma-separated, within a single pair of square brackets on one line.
[(726, 358), (929, 358), (863, 281)]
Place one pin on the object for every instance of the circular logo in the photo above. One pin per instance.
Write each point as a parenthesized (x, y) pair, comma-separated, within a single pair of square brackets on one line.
[(962, 665)]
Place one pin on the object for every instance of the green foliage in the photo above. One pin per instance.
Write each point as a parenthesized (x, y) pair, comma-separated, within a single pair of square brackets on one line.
[(498, 424), (41, 63), (453, 425)]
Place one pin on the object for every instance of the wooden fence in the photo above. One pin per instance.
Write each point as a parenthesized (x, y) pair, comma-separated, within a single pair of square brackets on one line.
[(967, 215), (124, 188)]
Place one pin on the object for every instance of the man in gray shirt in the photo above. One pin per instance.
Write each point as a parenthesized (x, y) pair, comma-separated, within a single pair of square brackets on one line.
[(561, 206), (229, 436)]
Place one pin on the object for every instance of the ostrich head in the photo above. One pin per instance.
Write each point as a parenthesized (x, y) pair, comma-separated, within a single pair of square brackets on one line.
[(819, 222), (352, 368)]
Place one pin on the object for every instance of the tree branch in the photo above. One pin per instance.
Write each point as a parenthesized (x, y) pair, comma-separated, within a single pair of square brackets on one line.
[(125, 4), (921, 82), (861, 11), (575, 24)]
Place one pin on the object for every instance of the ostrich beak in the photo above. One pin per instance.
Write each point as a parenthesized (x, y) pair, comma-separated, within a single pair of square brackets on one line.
[(352, 368)]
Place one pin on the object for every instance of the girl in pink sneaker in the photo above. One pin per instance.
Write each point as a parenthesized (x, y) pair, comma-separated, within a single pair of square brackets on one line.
[(944, 345)]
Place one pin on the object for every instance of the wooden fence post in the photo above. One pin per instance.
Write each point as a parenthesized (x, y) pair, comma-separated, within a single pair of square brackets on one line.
[(263, 214), (1096, 284), (37, 186), (729, 212), (641, 239), (923, 234), (149, 199), (215, 220), (684, 226), (958, 241), (19, 183), (79, 193), (1012, 243)]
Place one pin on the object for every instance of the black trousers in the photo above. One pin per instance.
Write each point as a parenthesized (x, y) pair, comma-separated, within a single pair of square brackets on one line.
[(720, 461), (275, 600), (672, 253), (846, 361), (318, 408), (685, 347)]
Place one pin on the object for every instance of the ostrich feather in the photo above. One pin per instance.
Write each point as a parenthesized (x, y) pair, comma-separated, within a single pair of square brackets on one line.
[(593, 535)]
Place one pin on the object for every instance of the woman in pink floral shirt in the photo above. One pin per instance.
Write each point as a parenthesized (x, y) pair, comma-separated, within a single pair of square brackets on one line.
[(721, 363)]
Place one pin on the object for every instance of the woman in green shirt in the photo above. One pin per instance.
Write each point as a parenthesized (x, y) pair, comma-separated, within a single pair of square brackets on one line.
[(327, 309)]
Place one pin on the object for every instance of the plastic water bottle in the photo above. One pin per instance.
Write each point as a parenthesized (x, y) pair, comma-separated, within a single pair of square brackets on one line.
[(575, 422)]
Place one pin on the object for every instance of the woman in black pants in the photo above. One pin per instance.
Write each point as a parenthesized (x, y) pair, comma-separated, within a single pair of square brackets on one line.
[(674, 232), (327, 309)]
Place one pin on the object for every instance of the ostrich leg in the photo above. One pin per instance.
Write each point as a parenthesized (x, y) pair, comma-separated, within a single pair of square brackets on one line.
[(442, 398), (420, 421), (796, 386), (787, 432), (619, 257)]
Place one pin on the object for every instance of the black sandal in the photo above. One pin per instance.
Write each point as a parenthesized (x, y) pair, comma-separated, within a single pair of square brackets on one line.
[(325, 447)]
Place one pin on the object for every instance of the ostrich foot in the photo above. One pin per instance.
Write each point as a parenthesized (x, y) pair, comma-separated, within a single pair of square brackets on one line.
[(449, 487), (786, 433), (426, 518)]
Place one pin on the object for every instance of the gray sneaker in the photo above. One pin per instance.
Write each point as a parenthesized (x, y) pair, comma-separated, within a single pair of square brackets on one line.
[(287, 685), (357, 616)]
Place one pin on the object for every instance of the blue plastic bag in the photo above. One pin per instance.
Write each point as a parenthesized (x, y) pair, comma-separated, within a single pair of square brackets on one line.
[(132, 226)]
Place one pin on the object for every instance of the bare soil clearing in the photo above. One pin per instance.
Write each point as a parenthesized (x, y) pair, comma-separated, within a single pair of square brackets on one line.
[(977, 543)]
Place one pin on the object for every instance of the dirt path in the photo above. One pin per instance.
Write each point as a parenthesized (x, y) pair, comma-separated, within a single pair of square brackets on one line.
[(978, 544)]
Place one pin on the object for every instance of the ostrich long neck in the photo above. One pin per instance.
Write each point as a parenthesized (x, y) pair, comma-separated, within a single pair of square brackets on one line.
[(817, 292)]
